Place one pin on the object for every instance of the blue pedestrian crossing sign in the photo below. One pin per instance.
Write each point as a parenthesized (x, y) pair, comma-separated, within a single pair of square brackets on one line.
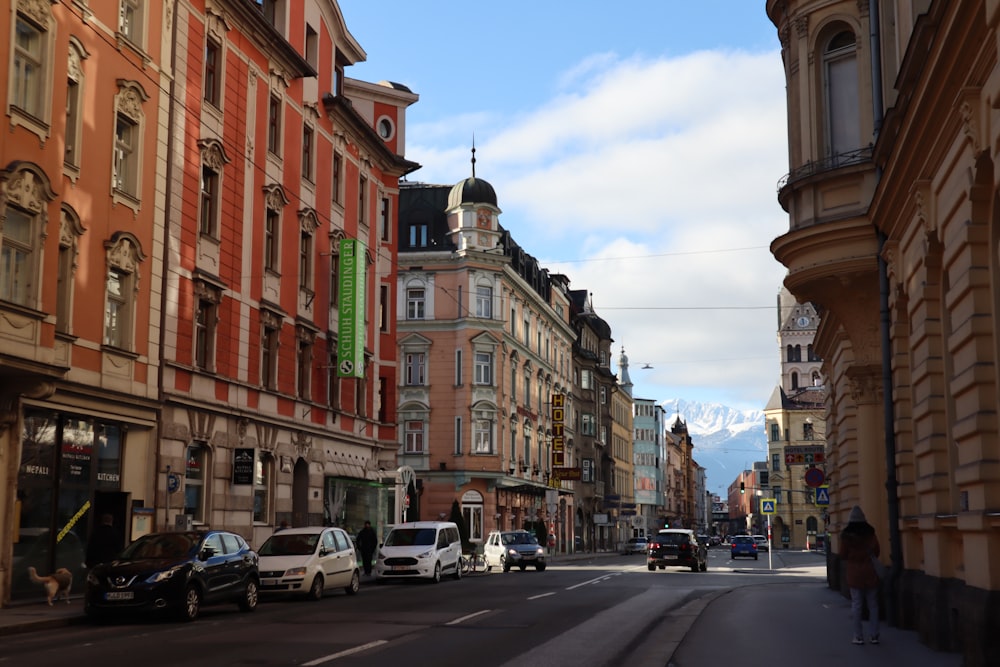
[(823, 495), (767, 505)]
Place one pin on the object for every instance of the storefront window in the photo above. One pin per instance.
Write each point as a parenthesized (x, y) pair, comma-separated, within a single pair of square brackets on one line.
[(348, 503), (263, 473), (194, 482), (109, 455)]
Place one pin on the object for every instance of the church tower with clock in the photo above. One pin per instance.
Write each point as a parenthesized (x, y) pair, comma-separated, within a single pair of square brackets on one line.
[(797, 325)]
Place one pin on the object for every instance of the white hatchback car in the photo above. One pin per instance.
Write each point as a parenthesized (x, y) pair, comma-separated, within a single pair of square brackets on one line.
[(309, 561)]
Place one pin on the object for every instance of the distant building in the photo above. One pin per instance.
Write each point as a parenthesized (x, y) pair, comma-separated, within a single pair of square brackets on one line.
[(649, 471)]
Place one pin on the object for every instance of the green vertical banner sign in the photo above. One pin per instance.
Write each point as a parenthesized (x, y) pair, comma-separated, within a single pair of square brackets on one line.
[(351, 320)]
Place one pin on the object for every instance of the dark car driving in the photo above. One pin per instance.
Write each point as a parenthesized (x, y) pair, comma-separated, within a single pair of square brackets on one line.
[(175, 572), (743, 545), (676, 547)]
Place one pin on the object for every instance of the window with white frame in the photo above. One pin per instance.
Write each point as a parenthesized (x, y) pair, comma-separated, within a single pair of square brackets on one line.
[(484, 301), (129, 121), (588, 424), (586, 379), (482, 432), (418, 236), (307, 153), (459, 371), (131, 21), (473, 517), (270, 329), (121, 284), (415, 303), (18, 257), (262, 480), (213, 73), (31, 46), (74, 102), (337, 176), (274, 125), (414, 436), (484, 368), (840, 83), (205, 324), (415, 362), (70, 231)]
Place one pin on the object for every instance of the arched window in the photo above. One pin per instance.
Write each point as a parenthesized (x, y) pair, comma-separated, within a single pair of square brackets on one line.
[(795, 380), (840, 90)]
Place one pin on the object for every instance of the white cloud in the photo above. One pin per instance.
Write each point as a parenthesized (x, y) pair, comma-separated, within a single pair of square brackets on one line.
[(650, 160)]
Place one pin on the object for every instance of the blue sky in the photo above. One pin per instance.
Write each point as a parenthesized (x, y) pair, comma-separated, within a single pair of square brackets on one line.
[(636, 150)]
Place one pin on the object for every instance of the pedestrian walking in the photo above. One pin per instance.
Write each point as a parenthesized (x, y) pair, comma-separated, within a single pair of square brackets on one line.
[(105, 542), (858, 547), (367, 543)]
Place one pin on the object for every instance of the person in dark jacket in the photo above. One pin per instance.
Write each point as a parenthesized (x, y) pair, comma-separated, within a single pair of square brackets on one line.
[(858, 545), (105, 542), (367, 543)]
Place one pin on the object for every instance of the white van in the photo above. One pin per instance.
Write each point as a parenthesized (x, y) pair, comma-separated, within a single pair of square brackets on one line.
[(425, 549)]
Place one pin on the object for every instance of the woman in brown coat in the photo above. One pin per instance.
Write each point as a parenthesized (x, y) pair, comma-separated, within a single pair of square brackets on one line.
[(858, 543)]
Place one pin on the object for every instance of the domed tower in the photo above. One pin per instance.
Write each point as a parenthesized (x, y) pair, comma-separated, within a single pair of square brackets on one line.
[(473, 214)]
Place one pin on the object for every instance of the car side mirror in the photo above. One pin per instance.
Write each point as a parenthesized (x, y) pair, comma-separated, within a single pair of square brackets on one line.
[(207, 553), (323, 551)]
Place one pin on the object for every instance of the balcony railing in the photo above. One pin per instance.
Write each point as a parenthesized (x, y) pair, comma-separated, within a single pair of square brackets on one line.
[(826, 164)]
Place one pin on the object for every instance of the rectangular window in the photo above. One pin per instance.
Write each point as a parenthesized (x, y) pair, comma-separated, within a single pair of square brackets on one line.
[(117, 310), (332, 379), (482, 436), (415, 369), (212, 73), (305, 260), (586, 379), (775, 433), (414, 434), (484, 302), (527, 330), (588, 424), (16, 266), (418, 236), (28, 49), (338, 178), (64, 288), (132, 20), (271, 240), (126, 158), (194, 482), (72, 152), (384, 219), (807, 431), (363, 201), (458, 436), (269, 357), (312, 47), (204, 334), (459, 372), (274, 125), (484, 368), (307, 153), (776, 462), (209, 202), (415, 304), (527, 391), (263, 471), (305, 353), (383, 309), (604, 394), (383, 399)]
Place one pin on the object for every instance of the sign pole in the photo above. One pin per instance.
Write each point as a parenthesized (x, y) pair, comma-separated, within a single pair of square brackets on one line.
[(769, 566)]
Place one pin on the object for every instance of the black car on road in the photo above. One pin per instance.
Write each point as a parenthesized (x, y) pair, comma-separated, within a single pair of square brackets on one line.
[(677, 547), (175, 572)]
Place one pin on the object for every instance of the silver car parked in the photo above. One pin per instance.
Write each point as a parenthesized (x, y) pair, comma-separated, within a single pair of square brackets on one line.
[(513, 548)]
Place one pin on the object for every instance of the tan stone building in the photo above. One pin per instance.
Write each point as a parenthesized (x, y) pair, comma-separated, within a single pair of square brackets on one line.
[(894, 229)]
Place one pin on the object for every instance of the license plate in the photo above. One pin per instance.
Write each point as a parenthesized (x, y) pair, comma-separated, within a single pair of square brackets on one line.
[(118, 595), (268, 582), (670, 557), (400, 567)]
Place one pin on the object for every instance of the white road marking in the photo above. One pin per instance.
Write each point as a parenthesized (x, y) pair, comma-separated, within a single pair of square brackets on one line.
[(343, 654), (595, 580), (467, 617), (543, 595)]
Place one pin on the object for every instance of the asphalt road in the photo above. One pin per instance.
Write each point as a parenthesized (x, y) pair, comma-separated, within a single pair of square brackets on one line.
[(608, 611)]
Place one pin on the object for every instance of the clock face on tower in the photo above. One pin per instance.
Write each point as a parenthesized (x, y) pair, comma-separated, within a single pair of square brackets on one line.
[(803, 321)]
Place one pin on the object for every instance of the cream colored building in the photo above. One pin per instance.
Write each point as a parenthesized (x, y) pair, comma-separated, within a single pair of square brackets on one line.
[(894, 226)]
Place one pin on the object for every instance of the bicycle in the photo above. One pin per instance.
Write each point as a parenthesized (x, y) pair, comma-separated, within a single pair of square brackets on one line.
[(474, 562)]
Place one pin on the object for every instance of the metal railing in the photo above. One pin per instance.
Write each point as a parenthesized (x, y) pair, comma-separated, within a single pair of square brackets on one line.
[(826, 164)]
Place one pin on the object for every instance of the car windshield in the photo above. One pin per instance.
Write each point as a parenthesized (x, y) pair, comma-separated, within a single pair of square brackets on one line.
[(742, 540), (672, 538), (161, 545), (282, 544), (411, 537), (519, 538)]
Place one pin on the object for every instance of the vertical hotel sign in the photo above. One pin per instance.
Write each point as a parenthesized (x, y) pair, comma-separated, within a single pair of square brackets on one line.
[(351, 320), (558, 436)]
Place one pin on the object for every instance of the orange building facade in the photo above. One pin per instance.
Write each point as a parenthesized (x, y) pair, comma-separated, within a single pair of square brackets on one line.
[(81, 202), (276, 160)]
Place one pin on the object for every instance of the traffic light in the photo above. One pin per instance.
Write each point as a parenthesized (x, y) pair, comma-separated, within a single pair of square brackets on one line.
[(666, 524), (743, 487)]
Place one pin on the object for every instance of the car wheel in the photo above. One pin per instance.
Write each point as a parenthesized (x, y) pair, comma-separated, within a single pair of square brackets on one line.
[(316, 588), (249, 600), (436, 577), (458, 570), (652, 568), (355, 585), (506, 565), (540, 567), (192, 603)]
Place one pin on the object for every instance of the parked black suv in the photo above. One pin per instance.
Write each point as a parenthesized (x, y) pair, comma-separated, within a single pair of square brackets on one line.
[(677, 547), (175, 572)]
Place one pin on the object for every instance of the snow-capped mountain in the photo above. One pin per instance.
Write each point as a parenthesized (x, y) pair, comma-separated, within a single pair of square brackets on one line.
[(726, 440)]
